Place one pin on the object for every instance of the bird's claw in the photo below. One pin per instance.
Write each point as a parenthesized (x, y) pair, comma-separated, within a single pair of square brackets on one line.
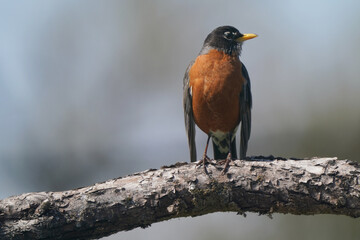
[(226, 162)]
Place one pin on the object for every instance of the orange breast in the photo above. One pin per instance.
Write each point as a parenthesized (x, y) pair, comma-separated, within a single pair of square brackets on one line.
[(216, 81)]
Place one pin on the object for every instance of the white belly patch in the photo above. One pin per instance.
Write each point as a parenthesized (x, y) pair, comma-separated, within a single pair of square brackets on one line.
[(220, 139)]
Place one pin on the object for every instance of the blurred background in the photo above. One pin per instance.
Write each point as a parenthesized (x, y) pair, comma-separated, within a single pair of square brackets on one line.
[(92, 90)]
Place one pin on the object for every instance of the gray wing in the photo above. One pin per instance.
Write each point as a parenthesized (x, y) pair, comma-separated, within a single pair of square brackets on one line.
[(245, 113), (188, 115)]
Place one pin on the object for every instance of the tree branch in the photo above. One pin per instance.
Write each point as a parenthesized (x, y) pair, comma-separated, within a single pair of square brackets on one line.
[(263, 185)]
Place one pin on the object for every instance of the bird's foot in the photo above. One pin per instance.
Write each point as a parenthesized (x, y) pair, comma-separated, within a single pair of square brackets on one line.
[(226, 162), (204, 161)]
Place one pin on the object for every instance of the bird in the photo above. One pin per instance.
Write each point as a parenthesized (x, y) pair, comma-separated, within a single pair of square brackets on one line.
[(217, 95)]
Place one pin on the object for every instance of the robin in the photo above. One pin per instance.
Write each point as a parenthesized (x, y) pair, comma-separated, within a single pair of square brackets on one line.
[(217, 95)]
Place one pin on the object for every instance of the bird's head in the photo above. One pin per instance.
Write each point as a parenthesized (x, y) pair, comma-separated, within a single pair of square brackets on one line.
[(227, 39)]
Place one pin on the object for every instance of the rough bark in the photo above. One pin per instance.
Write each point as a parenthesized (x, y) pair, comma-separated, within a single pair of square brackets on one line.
[(263, 185)]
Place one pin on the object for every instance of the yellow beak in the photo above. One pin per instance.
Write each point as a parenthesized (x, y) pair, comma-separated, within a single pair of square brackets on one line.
[(246, 36)]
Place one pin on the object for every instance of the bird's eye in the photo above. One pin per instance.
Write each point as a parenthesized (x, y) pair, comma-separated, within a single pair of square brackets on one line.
[(228, 35)]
